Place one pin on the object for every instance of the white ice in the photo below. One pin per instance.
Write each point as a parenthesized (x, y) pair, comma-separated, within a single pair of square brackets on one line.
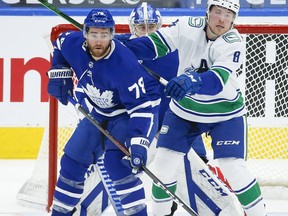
[(15, 172)]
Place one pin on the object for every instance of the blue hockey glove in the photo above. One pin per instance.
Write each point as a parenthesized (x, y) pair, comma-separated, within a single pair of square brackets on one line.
[(138, 149), (60, 83), (178, 87)]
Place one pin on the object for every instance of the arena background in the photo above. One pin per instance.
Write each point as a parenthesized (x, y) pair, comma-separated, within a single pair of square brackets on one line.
[(25, 57)]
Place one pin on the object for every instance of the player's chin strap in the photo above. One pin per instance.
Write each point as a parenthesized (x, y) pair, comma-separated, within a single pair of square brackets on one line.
[(127, 153)]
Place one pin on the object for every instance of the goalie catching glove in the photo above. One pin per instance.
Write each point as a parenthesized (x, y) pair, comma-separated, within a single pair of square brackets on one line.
[(188, 83), (138, 151), (60, 83)]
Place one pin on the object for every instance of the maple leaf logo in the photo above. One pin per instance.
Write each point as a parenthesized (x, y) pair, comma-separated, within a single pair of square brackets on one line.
[(104, 100)]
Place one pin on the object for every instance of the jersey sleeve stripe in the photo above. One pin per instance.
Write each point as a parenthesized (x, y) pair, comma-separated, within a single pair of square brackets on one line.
[(141, 106), (222, 72), (161, 47)]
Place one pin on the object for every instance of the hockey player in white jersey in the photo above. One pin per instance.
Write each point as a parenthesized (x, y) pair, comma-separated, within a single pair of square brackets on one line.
[(206, 98), (125, 101)]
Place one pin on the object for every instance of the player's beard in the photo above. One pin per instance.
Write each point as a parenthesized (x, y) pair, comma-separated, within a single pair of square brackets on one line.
[(99, 50)]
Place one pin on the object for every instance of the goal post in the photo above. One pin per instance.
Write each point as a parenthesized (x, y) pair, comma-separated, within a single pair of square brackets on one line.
[(264, 82)]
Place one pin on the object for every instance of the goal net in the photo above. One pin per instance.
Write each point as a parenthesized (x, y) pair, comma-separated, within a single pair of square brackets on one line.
[(264, 81)]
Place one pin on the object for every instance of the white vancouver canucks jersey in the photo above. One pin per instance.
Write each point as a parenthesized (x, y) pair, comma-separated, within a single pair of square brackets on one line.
[(223, 57)]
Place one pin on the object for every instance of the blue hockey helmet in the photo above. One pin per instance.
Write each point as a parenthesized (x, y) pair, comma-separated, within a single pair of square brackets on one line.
[(99, 18), (144, 14)]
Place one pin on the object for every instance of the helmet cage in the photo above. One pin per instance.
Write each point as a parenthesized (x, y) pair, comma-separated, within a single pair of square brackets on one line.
[(144, 14)]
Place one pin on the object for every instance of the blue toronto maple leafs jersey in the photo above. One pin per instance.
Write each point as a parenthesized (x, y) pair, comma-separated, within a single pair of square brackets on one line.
[(166, 67), (114, 85)]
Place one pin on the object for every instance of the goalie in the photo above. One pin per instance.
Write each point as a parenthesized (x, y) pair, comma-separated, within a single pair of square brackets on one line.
[(206, 98)]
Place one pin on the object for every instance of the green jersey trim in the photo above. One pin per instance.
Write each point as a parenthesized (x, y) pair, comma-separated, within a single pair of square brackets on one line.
[(159, 45), (222, 73), (221, 106)]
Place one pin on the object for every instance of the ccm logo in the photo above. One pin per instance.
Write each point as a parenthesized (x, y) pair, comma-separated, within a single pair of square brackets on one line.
[(212, 182), (228, 142)]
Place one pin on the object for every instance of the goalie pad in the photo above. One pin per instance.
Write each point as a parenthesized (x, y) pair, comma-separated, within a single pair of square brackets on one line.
[(99, 193), (93, 199), (207, 195), (197, 186), (217, 171)]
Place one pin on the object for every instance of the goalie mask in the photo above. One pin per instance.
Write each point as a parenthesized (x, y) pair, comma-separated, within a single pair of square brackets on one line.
[(144, 19), (99, 18), (232, 5)]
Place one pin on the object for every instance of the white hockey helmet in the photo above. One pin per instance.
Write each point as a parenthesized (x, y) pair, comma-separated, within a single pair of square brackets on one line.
[(232, 5)]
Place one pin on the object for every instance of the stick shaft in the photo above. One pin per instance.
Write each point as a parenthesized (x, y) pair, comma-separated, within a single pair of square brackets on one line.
[(155, 75)]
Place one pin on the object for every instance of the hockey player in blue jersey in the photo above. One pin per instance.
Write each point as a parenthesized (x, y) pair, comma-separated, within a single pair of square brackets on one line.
[(125, 100), (206, 98), (145, 19)]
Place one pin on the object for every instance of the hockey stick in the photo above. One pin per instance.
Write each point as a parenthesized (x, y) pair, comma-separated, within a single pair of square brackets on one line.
[(127, 153), (155, 75), (60, 13)]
